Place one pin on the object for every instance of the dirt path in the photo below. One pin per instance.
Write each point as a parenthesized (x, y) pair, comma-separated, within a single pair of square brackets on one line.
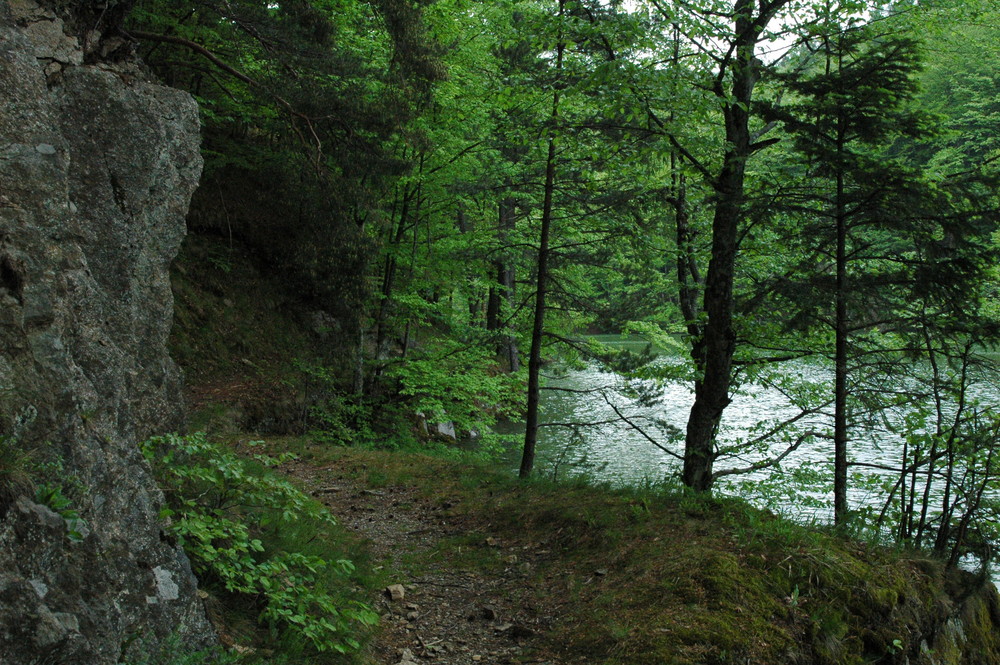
[(447, 614)]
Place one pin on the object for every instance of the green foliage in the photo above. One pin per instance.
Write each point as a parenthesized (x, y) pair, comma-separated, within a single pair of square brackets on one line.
[(445, 382), (961, 82), (173, 652), (458, 381), (52, 495), (336, 417), (298, 123), (229, 513), (388, 157)]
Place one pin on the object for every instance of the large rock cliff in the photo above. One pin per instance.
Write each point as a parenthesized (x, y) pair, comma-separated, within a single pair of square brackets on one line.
[(97, 166)]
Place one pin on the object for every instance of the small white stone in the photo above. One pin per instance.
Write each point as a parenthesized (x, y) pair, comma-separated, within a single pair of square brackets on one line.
[(166, 588), (40, 588)]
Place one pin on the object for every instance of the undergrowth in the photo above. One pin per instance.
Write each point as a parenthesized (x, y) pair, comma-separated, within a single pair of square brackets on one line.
[(260, 543)]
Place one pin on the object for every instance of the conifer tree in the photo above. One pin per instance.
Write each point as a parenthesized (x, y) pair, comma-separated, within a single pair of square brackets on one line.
[(872, 228)]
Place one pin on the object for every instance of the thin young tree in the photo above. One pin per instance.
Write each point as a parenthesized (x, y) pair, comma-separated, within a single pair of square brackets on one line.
[(541, 270)]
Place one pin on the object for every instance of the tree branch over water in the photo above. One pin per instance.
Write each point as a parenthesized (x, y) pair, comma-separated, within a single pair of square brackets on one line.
[(764, 464), (638, 429)]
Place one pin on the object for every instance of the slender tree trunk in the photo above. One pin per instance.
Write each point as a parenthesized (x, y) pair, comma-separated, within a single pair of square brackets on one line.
[(502, 291), (944, 530), (541, 282), (972, 507), (688, 277), (938, 430), (713, 353), (475, 301), (947, 508), (901, 533), (840, 506), (389, 274), (537, 328), (493, 304), (499, 267), (358, 379)]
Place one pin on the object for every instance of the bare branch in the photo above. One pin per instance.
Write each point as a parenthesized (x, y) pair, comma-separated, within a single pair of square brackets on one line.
[(641, 431), (764, 464)]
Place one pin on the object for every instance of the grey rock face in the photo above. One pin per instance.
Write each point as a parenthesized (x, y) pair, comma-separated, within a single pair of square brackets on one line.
[(97, 167)]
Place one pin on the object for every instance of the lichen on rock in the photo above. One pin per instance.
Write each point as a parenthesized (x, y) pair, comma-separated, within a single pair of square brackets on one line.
[(97, 166)]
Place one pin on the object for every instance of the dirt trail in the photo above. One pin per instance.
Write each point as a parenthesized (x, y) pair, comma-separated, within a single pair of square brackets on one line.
[(447, 615)]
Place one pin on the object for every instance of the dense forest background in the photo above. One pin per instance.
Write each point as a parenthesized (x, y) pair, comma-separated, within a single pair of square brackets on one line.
[(467, 189)]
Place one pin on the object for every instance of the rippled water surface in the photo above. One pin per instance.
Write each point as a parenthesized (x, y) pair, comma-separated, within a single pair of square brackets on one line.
[(615, 451)]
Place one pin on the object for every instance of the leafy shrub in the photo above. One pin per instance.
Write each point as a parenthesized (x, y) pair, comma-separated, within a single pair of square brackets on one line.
[(336, 417), (224, 510), (138, 651), (442, 382), (457, 381)]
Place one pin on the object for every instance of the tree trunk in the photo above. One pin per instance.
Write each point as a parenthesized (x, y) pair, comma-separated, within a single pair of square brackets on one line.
[(688, 277), (537, 328), (541, 282), (389, 276), (840, 507), (502, 292), (713, 351)]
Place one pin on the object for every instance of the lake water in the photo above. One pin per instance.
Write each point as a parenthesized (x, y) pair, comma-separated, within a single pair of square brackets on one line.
[(616, 452)]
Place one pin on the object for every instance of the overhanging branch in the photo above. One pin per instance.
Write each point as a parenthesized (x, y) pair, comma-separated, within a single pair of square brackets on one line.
[(237, 74)]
